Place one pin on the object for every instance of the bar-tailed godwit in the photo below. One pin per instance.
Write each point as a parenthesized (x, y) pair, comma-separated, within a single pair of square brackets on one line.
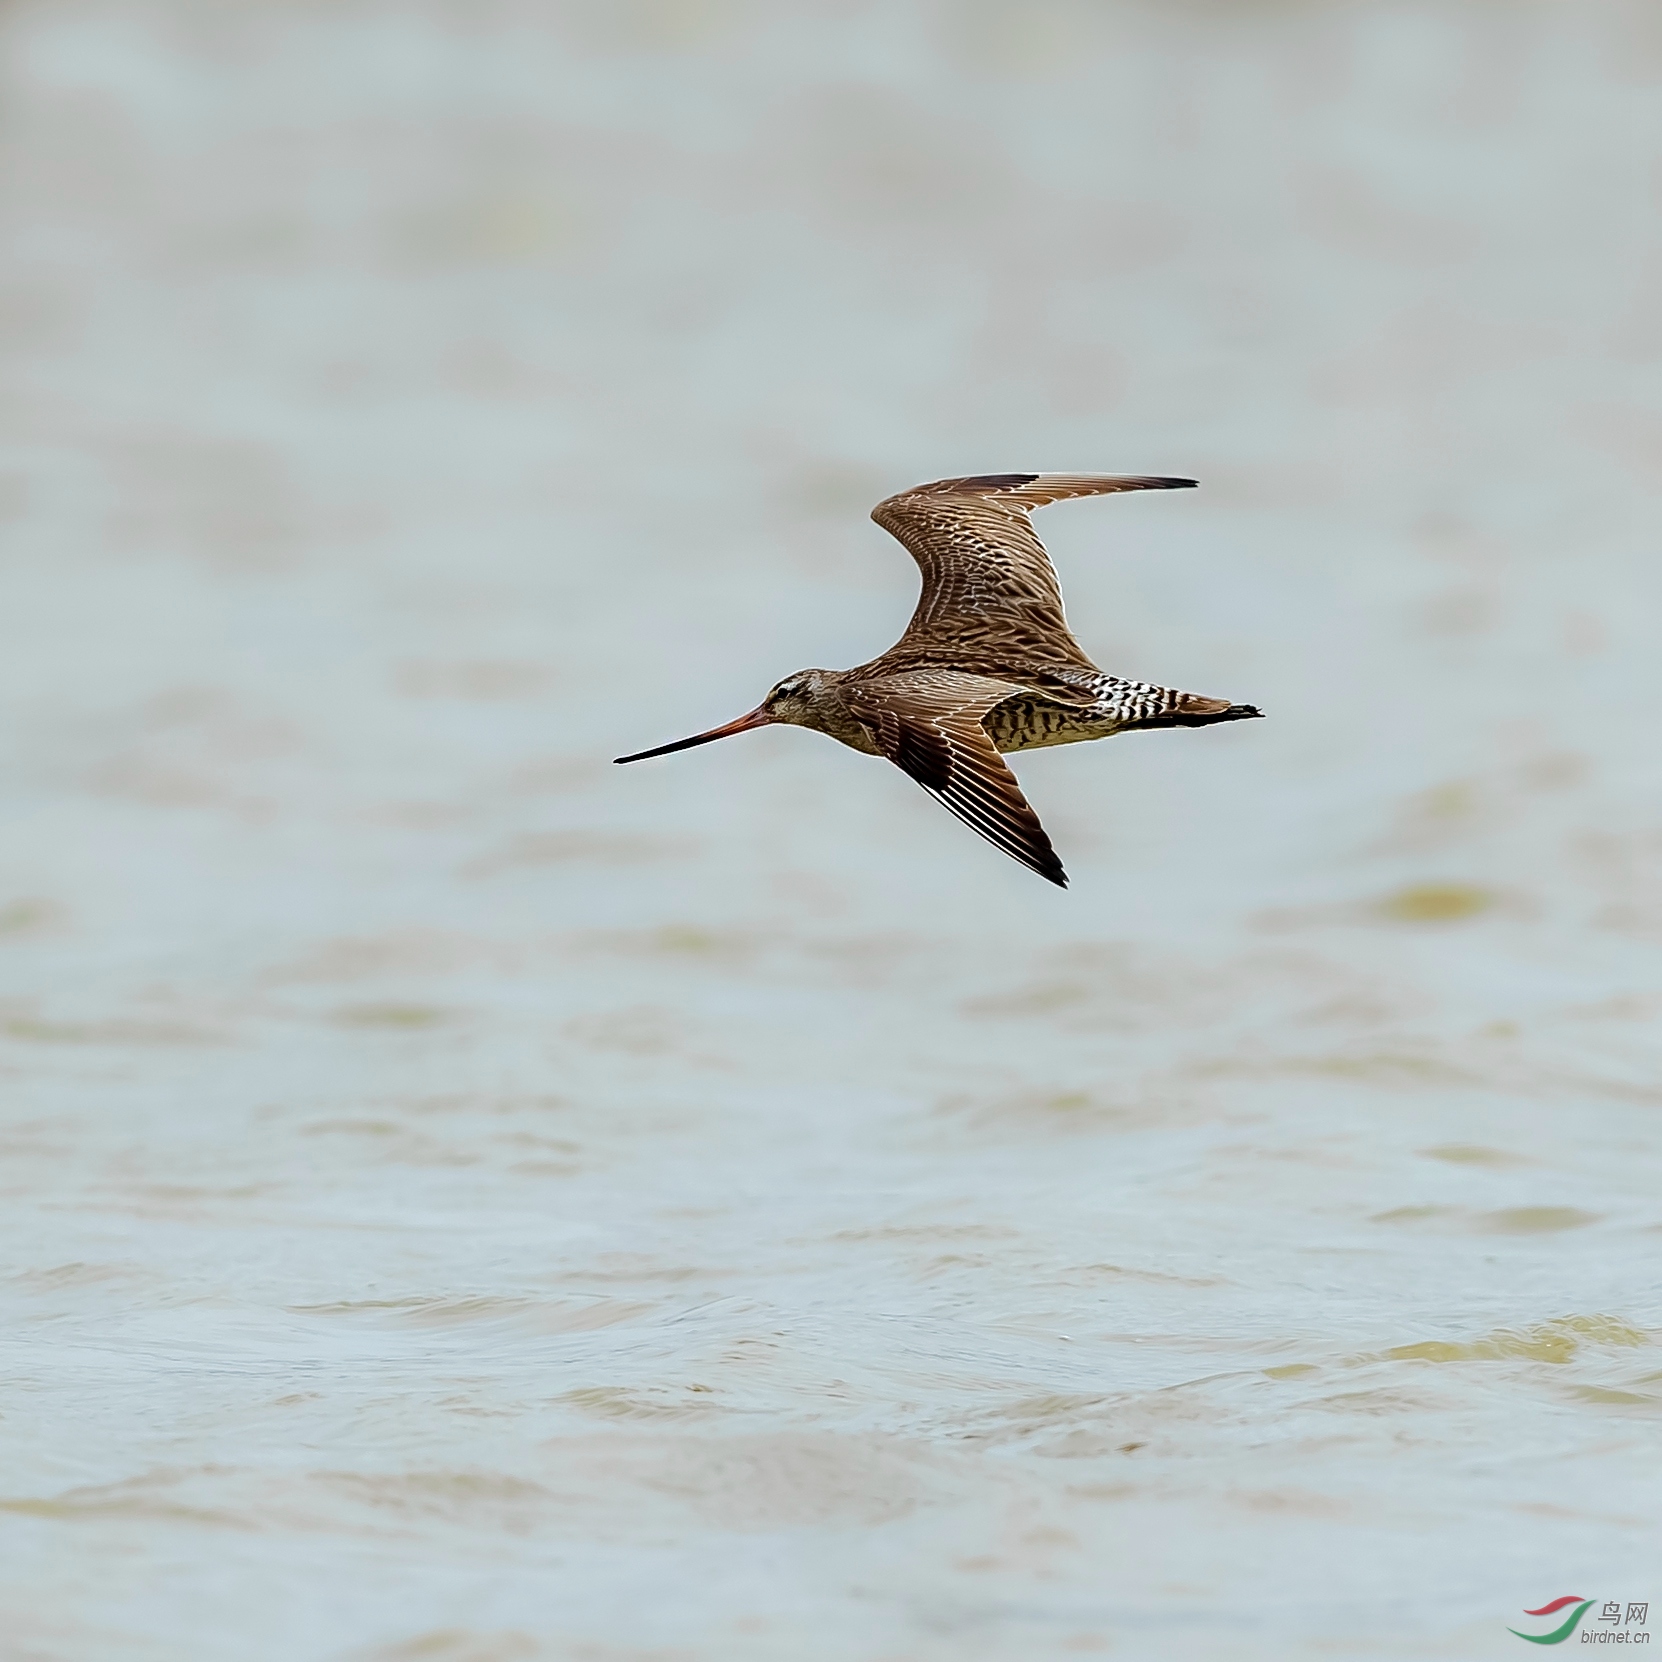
[(987, 664)]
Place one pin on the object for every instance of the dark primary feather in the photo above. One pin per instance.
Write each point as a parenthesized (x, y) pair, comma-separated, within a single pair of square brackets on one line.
[(989, 589), (930, 726)]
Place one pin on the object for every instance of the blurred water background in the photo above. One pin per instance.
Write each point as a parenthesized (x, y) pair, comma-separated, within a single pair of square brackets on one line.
[(465, 1202)]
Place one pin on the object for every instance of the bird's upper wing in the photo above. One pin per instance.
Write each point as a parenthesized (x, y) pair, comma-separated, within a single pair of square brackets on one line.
[(984, 571), (929, 724)]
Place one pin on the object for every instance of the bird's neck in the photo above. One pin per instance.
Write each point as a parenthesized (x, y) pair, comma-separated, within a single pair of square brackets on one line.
[(829, 713)]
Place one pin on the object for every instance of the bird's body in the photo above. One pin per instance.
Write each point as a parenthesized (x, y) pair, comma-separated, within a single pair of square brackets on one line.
[(987, 665)]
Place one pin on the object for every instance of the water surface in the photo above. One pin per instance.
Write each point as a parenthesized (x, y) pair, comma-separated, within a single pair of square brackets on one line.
[(465, 1202)]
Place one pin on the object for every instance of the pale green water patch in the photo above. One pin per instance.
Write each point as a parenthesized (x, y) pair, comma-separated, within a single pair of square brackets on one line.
[(1535, 1220), (1507, 1220), (1557, 1341), (1472, 1154), (28, 917), (1435, 903)]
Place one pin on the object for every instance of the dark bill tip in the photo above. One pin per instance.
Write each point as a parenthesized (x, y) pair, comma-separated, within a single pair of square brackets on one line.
[(756, 718)]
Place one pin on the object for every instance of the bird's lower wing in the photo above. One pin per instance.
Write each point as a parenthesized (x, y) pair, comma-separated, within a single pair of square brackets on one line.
[(930, 726)]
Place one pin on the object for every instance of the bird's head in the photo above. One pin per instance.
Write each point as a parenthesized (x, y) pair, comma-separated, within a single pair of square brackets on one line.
[(796, 699)]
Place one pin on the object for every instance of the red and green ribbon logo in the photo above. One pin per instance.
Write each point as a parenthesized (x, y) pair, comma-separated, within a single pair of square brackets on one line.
[(1558, 1634)]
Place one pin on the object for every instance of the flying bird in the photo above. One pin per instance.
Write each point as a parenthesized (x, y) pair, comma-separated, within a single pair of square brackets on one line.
[(987, 664)]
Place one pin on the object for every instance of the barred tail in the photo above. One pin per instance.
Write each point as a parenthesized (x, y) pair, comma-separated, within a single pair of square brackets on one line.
[(1191, 710)]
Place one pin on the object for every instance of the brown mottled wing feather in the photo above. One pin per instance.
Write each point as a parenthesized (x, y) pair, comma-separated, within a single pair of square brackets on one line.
[(929, 726), (986, 576)]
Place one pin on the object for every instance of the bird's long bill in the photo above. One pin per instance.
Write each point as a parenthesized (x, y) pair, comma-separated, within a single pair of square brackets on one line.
[(756, 718)]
